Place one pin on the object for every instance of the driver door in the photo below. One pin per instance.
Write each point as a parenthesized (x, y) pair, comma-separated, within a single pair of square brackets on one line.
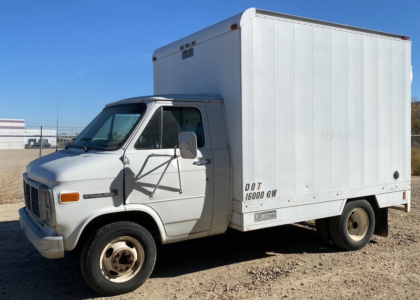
[(182, 212)]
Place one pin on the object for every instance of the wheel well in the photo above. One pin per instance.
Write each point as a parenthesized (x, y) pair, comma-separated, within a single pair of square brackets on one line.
[(371, 199), (138, 217)]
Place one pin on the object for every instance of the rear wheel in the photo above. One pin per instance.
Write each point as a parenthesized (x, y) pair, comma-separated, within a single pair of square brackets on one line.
[(119, 258), (354, 228)]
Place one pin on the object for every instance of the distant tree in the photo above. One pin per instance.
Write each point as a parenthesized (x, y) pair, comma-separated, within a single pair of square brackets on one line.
[(415, 115)]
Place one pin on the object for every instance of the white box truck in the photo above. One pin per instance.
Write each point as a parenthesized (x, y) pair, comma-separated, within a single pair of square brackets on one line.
[(260, 120)]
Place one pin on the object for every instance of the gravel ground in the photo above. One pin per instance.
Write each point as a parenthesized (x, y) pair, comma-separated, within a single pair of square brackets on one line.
[(286, 262)]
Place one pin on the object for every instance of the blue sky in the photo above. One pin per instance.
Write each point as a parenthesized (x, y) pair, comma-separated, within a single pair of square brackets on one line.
[(98, 51)]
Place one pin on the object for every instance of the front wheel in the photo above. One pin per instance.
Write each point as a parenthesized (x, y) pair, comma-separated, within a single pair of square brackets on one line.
[(354, 228), (119, 258)]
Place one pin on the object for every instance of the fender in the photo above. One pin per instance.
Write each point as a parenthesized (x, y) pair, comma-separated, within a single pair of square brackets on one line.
[(151, 212), (71, 241)]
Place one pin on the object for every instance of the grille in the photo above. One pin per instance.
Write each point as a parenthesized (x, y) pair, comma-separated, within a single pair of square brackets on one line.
[(27, 195), (32, 199)]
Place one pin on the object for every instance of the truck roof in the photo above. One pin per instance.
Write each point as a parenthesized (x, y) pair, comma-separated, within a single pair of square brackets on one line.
[(331, 24), (240, 19), (170, 97)]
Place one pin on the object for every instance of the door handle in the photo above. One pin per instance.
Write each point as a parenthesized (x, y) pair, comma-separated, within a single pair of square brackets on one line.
[(202, 162)]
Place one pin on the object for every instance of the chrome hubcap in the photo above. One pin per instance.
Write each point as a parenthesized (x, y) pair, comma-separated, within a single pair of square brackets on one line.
[(357, 224), (122, 259)]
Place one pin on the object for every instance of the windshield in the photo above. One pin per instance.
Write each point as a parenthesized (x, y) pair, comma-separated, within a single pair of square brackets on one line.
[(110, 129)]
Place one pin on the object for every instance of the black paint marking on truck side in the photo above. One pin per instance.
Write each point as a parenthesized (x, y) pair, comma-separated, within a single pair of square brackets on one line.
[(260, 195), (271, 194), (252, 186)]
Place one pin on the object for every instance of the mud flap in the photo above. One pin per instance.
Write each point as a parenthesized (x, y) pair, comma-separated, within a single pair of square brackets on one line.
[(381, 221)]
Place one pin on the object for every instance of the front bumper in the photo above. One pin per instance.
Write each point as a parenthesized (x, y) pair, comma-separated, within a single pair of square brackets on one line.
[(49, 246)]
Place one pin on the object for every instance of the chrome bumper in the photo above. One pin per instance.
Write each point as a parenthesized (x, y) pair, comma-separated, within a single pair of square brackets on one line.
[(49, 246)]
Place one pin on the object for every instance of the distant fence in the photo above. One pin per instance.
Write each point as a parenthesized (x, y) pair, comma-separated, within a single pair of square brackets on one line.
[(19, 148)]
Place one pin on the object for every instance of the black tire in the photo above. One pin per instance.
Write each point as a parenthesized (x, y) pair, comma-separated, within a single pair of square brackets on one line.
[(136, 247), (323, 230), (354, 228)]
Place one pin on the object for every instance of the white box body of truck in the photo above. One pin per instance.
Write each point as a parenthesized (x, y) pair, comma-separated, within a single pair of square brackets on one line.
[(316, 112), (260, 120)]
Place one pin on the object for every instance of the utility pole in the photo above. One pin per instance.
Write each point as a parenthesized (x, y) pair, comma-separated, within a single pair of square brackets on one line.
[(56, 133)]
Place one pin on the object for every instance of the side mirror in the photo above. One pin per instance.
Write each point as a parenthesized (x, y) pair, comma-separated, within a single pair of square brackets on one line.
[(188, 144)]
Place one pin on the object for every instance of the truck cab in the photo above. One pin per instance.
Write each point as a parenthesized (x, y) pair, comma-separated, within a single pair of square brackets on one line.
[(126, 165)]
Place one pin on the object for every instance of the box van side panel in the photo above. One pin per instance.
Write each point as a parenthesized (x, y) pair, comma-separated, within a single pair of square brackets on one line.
[(324, 114)]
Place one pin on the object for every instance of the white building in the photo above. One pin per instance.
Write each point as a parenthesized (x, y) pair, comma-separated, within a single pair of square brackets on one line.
[(47, 134), (12, 134)]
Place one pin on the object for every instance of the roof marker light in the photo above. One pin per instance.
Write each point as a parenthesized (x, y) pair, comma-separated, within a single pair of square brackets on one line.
[(193, 43), (405, 38), (181, 47), (154, 58), (233, 26), (187, 45)]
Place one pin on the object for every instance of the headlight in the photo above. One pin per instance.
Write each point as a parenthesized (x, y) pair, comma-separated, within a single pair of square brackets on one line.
[(47, 206)]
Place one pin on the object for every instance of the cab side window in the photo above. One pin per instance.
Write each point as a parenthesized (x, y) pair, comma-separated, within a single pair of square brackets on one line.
[(150, 137), (164, 127), (178, 119)]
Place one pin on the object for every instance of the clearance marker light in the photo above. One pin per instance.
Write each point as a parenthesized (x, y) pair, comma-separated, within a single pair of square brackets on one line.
[(233, 26), (405, 38), (69, 197), (154, 58), (404, 195)]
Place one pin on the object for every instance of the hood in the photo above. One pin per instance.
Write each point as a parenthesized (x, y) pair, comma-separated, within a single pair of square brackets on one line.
[(72, 165)]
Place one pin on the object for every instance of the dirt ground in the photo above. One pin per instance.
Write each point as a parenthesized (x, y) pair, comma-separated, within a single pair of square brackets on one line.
[(286, 262), (12, 166), (19, 158)]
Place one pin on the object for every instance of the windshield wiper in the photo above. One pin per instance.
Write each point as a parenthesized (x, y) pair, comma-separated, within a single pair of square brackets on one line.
[(86, 142), (69, 143)]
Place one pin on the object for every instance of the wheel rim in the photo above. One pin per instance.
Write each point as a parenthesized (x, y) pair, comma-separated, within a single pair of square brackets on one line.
[(357, 224), (122, 259)]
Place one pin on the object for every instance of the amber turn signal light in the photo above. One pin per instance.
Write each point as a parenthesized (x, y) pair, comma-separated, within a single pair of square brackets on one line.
[(69, 197)]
